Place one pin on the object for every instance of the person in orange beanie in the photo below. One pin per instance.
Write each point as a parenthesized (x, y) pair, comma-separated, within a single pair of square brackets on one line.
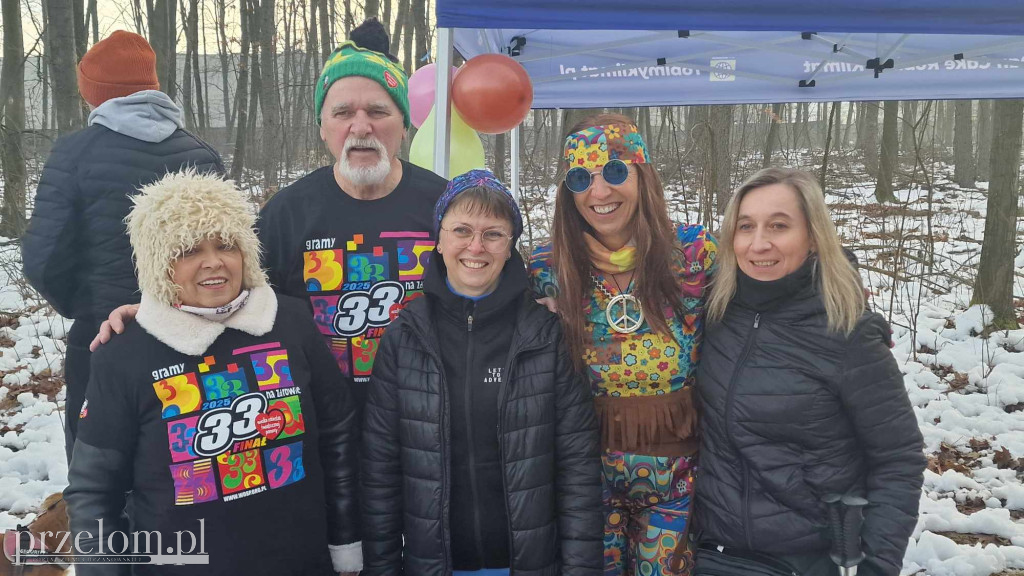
[(76, 252), (122, 64)]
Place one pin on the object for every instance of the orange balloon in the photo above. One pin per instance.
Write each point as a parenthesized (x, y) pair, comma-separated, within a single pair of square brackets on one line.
[(492, 92)]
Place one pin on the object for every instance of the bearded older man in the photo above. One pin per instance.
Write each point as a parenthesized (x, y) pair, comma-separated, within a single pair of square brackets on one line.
[(353, 239)]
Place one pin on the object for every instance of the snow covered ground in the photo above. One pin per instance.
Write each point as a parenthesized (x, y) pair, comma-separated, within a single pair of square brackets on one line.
[(967, 387)]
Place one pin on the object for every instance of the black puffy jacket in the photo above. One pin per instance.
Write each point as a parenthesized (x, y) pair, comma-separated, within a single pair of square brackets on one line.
[(792, 412), (548, 443), (76, 251)]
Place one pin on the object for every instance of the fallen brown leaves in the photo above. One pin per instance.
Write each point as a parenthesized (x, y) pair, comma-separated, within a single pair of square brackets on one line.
[(949, 458), (972, 539)]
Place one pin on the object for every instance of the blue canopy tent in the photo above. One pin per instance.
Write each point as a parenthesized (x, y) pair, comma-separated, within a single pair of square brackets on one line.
[(605, 53)]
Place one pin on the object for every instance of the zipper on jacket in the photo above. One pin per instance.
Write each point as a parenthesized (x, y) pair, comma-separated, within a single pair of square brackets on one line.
[(445, 465), (445, 439), (477, 536), (513, 354), (729, 397)]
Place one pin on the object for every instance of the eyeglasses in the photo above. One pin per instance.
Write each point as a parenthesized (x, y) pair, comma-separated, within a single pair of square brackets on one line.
[(494, 241), (579, 179)]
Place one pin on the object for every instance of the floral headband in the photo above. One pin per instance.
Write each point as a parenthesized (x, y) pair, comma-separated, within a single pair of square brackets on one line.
[(595, 146)]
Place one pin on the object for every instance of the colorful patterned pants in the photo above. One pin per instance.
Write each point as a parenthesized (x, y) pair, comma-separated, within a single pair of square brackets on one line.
[(647, 507)]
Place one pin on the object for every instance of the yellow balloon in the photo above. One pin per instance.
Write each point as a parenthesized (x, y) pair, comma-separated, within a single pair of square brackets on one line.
[(466, 151)]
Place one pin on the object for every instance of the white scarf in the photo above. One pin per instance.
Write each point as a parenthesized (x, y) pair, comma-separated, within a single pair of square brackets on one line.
[(220, 313)]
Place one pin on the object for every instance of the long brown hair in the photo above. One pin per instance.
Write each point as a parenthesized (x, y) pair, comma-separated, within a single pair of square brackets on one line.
[(653, 233), (840, 283)]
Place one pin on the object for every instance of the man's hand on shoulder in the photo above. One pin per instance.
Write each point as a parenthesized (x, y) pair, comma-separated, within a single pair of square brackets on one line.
[(114, 324)]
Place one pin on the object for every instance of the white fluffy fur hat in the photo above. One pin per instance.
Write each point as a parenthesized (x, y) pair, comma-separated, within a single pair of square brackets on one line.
[(177, 212)]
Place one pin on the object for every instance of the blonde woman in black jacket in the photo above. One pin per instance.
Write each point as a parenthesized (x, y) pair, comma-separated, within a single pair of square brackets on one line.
[(480, 444), (801, 400)]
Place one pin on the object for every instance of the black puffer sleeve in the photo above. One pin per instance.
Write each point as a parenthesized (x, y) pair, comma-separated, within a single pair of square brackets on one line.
[(876, 401), (381, 463), (578, 474), (337, 415), (101, 468), (49, 248)]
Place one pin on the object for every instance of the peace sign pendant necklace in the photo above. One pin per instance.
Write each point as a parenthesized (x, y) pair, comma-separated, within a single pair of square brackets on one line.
[(623, 311)]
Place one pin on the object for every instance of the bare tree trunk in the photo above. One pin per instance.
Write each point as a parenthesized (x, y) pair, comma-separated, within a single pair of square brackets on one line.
[(312, 33), (12, 110), (140, 27), (994, 284), (332, 20), (245, 9), (984, 139), (225, 59), (270, 99), (869, 141), (422, 27), (887, 158), (948, 123), (205, 118), (326, 39), (186, 94), (193, 33), (500, 151), (858, 140), (698, 127), (42, 71), (832, 117), (407, 38), (81, 33), (645, 125), (844, 137), (772, 138), (963, 148), (387, 17), (349, 20), (162, 37), (803, 125), (371, 9), (401, 18), (61, 33), (92, 17), (721, 120), (287, 91), (907, 135)]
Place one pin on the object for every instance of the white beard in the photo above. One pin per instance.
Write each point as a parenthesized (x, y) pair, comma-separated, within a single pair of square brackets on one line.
[(364, 175)]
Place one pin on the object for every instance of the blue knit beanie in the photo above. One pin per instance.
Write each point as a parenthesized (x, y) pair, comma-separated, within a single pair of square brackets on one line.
[(477, 179)]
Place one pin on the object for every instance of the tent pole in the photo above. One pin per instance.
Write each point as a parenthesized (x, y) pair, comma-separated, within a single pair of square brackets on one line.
[(515, 161), (442, 101)]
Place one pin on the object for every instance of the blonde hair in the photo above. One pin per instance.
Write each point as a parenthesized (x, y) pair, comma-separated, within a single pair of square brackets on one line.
[(841, 287), (176, 213)]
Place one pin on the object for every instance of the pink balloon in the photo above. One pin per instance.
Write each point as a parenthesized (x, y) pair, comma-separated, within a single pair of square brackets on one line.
[(422, 86)]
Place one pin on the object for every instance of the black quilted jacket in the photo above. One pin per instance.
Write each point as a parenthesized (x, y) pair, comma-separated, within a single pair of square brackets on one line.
[(791, 412), (76, 251), (549, 446)]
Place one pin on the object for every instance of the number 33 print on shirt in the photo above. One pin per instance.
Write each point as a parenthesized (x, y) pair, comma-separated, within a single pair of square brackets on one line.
[(357, 290), (231, 426)]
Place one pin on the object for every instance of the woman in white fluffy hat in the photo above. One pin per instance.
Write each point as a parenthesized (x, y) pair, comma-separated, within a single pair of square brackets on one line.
[(220, 409)]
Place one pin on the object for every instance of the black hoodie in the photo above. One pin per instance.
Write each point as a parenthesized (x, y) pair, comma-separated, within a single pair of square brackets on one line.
[(476, 337)]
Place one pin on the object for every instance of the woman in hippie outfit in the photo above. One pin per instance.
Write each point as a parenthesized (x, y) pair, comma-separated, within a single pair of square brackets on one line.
[(629, 286)]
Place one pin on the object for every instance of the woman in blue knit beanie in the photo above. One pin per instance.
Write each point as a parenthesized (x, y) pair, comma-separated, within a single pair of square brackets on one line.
[(480, 443)]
